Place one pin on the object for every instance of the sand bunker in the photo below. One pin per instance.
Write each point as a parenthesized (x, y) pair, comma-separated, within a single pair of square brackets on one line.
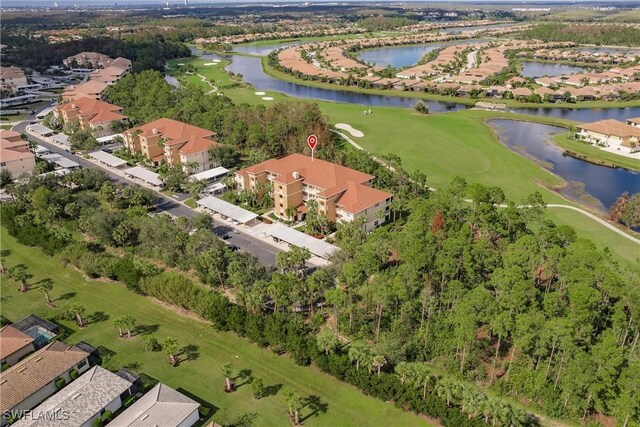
[(354, 132), (267, 98), (261, 93), (210, 63), (181, 63)]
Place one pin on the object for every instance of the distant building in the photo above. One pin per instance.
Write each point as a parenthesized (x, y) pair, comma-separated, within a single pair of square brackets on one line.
[(11, 78), (82, 401), (163, 406), (98, 116), (33, 379), (88, 60), (173, 142), (611, 133), (15, 155), (343, 194)]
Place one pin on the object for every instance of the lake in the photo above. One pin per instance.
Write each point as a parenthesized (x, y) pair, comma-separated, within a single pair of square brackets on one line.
[(251, 69), (590, 184), (541, 69)]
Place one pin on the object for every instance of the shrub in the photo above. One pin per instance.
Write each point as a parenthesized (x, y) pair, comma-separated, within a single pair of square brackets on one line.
[(60, 383), (74, 374), (152, 344)]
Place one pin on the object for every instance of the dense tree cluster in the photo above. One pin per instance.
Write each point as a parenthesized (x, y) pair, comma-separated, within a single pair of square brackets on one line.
[(385, 23), (453, 286), (600, 34), (146, 51), (626, 210), (259, 132)]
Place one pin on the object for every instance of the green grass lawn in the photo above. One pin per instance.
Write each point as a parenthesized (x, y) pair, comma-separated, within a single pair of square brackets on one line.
[(214, 72), (593, 153), (201, 376), (191, 202)]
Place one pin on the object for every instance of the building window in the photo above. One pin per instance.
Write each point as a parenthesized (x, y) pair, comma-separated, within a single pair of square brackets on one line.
[(377, 204), (375, 224), (3, 163), (81, 364), (281, 205)]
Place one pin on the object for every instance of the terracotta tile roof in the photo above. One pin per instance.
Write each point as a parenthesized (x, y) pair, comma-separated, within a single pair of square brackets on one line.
[(330, 178), (359, 197), (634, 120), (92, 110), (611, 127), (521, 91), (91, 88), (36, 371), (191, 139), (106, 116), (12, 340)]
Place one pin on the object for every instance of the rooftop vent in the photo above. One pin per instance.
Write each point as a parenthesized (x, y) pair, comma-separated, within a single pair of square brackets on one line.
[(155, 131), (296, 174)]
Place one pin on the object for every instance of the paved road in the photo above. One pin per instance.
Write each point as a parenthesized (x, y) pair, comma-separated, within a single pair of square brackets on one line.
[(263, 251)]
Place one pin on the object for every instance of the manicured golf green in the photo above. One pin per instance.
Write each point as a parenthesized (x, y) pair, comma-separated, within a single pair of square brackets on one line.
[(201, 376)]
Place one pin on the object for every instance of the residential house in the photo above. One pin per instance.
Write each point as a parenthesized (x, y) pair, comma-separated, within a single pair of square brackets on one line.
[(515, 82), (549, 95), (611, 133), (99, 116), (33, 379), (11, 78), (92, 89), (87, 398), (342, 194), (163, 406), (15, 155), (521, 92), (173, 142), (109, 75), (495, 91), (14, 345)]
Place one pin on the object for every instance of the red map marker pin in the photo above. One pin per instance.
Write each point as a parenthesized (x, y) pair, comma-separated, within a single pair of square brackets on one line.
[(312, 140)]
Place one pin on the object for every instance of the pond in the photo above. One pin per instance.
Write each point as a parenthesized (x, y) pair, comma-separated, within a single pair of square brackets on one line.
[(396, 56), (541, 69), (597, 186)]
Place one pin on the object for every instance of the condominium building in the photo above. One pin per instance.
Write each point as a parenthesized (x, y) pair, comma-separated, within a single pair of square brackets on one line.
[(99, 116), (342, 194), (173, 142)]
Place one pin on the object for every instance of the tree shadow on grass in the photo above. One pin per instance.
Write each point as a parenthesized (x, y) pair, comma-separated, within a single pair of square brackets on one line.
[(245, 375), (315, 405), (272, 390), (145, 329), (188, 352), (98, 316), (66, 296)]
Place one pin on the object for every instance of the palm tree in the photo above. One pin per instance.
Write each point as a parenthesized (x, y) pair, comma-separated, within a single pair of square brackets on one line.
[(448, 389), (124, 322), (421, 376), (227, 371), (170, 347), (19, 273), (295, 404), (77, 311), (359, 353), (290, 212), (46, 286), (117, 322), (377, 362), (327, 341), (403, 369), (472, 402)]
